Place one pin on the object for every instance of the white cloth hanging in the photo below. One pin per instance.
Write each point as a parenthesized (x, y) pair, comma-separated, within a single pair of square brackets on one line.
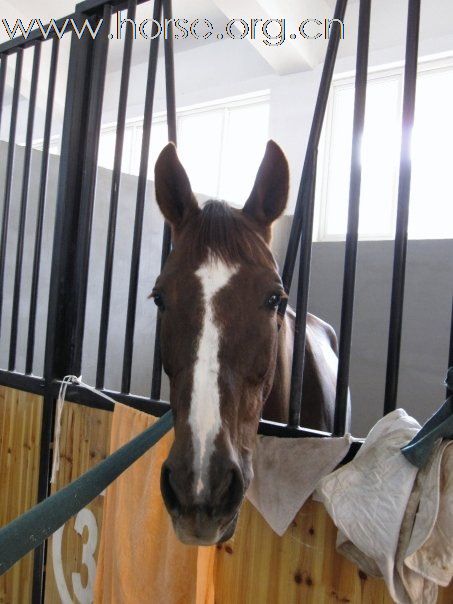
[(286, 472), (394, 521)]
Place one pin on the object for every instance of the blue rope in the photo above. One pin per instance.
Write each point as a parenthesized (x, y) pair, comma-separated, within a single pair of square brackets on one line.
[(32, 528)]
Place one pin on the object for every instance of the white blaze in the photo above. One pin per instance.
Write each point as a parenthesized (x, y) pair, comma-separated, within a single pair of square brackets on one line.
[(204, 416)]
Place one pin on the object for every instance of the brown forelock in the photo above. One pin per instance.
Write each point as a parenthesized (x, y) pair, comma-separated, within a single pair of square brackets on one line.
[(225, 233)]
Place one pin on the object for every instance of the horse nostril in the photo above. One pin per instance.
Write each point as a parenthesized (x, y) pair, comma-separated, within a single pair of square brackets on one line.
[(232, 491), (168, 492)]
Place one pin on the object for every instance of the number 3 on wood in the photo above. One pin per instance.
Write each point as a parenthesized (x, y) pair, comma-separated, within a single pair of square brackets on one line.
[(84, 595)]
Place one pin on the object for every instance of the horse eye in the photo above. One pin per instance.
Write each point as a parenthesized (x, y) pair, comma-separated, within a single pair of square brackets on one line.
[(273, 301), (159, 301)]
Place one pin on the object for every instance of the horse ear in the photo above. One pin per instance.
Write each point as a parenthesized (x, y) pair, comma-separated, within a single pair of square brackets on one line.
[(173, 191), (270, 191)]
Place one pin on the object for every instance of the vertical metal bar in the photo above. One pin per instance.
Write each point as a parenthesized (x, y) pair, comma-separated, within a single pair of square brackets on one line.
[(450, 350), (301, 209), (47, 429), (94, 117), (23, 206), (166, 241), (140, 206), (9, 171), (347, 307), (41, 206), (170, 73), (399, 257), (63, 305), (300, 324), (114, 195), (302, 226), (3, 66)]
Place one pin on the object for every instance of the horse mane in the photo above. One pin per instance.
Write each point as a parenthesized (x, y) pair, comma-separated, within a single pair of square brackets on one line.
[(227, 235)]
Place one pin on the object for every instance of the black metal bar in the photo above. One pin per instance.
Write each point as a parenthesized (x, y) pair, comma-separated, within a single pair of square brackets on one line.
[(450, 349), (301, 209), (59, 344), (300, 324), (45, 459), (63, 305), (347, 307), (114, 195), (41, 207), (92, 6), (94, 118), (170, 72), (23, 206), (302, 225), (171, 123), (3, 66), (28, 383), (91, 398), (399, 258), (78, 394), (9, 172), (35, 35), (140, 206)]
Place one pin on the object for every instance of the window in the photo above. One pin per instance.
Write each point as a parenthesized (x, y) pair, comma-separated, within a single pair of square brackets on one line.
[(431, 208), (220, 144)]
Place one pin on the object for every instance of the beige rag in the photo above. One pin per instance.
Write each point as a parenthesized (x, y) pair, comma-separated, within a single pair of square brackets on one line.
[(394, 521), (286, 472), (140, 559)]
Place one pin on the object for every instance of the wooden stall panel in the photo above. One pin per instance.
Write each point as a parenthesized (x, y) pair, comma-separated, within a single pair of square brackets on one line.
[(73, 549), (20, 433), (302, 567)]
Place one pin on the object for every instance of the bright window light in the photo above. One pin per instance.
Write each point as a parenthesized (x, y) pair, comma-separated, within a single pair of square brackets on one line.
[(431, 213), (200, 147), (244, 141), (220, 144), (431, 209)]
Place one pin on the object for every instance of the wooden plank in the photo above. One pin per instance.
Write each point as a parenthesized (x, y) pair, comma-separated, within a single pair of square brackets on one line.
[(72, 551), (302, 567), (20, 432)]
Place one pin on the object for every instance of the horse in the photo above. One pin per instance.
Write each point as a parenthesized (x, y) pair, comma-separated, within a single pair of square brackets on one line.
[(225, 349)]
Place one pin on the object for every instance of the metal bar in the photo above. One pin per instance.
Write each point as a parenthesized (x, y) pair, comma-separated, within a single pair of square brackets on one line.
[(170, 72), (61, 316), (36, 35), (61, 298), (300, 324), (347, 307), (41, 207), (90, 6), (301, 209), (450, 350), (45, 458), (399, 258), (9, 172), (302, 225), (28, 383), (166, 241), (23, 206), (114, 194), (92, 399), (94, 118), (140, 206), (3, 66), (78, 394)]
